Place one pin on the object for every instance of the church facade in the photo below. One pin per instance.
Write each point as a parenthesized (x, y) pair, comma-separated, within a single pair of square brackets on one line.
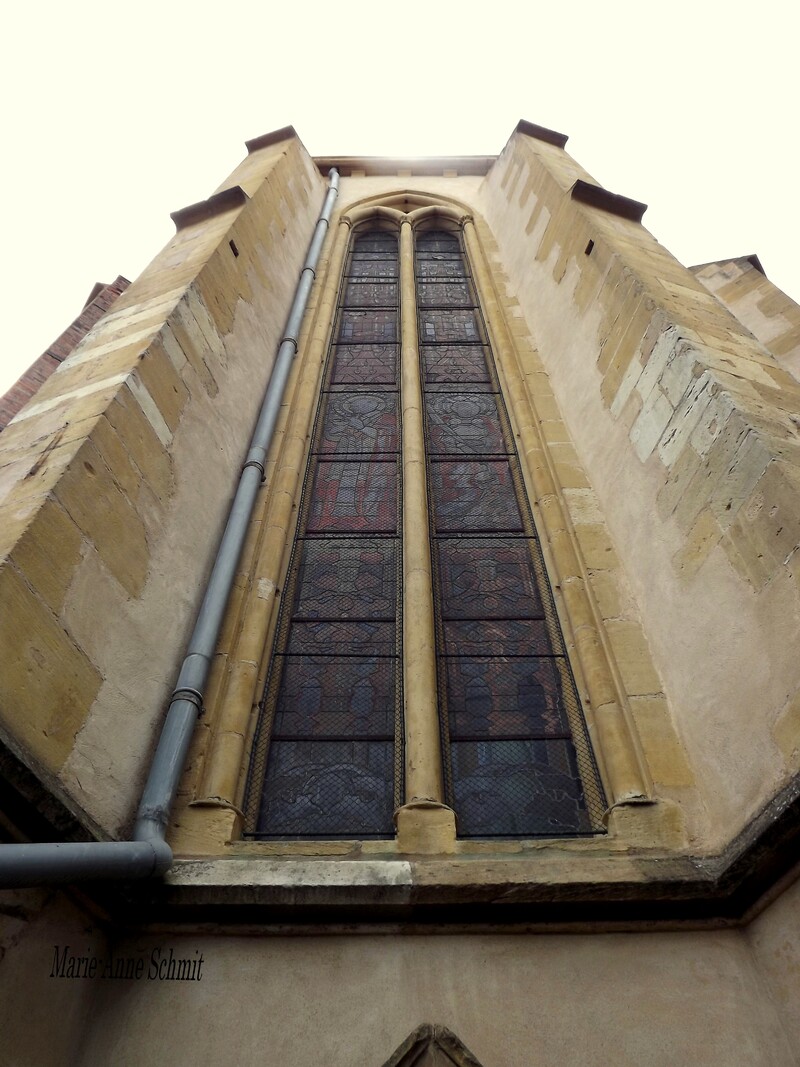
[(492, 756)]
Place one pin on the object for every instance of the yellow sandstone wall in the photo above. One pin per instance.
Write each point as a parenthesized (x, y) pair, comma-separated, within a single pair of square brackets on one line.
[(684, 425), (772, 316), (115, 480)]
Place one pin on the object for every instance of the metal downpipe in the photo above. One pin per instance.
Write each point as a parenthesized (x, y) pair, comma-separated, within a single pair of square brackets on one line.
[(148, 853)]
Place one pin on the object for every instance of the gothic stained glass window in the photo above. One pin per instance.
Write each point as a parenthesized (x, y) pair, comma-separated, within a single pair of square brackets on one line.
[(327, 759), (517, 758)]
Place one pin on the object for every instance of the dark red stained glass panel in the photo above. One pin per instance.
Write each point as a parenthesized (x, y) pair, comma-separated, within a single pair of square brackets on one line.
[(497, 637), (498, 697), (364, 364), (459, 364), (487, 578), (353, 579), (360, 424), (350, 496), (474, 496), (336, 696), (461, 424)]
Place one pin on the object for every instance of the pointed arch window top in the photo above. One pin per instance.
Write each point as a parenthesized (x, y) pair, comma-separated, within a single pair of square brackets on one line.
[(432, 1046)]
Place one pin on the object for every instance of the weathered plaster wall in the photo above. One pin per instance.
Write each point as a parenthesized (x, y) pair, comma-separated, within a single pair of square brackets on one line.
[(115, 481), (43, 1020), (772, 316), (775, 940), (513, 1000), (683, 423)]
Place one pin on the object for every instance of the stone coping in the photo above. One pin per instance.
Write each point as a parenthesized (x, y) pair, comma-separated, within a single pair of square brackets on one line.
[(267, 139), (216, 204), (614, 203), (541, 133)]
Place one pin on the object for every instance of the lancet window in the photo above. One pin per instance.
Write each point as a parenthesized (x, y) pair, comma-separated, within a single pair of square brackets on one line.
[(512, 729), (328, 754), (327, 759)]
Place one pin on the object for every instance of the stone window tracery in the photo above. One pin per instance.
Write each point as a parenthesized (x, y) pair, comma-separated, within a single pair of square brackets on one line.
[(328, 758)]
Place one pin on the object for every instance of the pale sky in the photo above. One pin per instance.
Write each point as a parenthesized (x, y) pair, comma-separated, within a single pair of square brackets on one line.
[(117, 114)]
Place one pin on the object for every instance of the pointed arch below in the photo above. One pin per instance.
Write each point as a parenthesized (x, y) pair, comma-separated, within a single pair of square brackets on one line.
[(431, 1045)]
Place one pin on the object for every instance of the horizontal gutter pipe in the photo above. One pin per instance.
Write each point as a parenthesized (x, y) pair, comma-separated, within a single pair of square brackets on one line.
[(148, 853)]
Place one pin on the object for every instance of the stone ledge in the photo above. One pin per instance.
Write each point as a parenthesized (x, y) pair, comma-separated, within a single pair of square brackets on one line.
[(217, 204), (630, 889), (614, 203), (255, 144), (541, 133)]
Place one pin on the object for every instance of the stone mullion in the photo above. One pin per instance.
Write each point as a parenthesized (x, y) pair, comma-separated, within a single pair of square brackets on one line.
[(424, 823)]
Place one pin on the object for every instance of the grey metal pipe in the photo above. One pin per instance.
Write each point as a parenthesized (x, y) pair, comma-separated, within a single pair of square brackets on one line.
[(187, 698), (148, 853), (64, 862)]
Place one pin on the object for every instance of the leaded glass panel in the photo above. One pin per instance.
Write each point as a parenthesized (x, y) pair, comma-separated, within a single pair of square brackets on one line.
[(456, 325), (473, 496), (517, 758), (371, 293), (487, 578), (328, 789), (347, 579), (357, 326), (327, 760), (464, 424), (456, 364), (341, 696), (353, 496), (518, 789), (353, 365), (360, 423)]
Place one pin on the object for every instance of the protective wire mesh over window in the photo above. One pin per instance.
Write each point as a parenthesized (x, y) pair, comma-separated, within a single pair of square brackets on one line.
[(327, 760), (517, 758)]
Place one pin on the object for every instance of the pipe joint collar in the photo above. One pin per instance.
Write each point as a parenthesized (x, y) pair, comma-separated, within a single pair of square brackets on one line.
[(194, 696), (255, 463)]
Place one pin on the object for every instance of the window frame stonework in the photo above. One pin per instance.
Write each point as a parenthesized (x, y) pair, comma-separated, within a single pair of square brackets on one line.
[(424, 822)]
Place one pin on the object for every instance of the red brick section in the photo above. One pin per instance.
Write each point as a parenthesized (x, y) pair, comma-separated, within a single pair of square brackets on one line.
[(100, 300)]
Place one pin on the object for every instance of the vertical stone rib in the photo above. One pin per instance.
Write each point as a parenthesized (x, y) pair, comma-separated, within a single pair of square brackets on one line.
[(423, 747)]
